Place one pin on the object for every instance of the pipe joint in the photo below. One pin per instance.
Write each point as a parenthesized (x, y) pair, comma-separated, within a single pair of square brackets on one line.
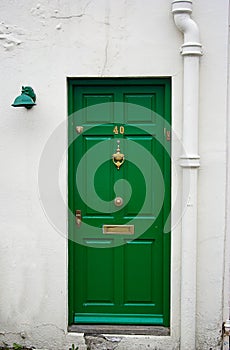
[(182, 16), (179, 6), (191, 49), (190, 161)]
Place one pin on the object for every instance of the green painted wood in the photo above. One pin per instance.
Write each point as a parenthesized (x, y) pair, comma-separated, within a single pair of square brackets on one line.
[(119, 319), (129, 283)]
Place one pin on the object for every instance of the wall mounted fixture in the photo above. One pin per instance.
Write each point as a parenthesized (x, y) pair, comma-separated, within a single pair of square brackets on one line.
[(26, 99)]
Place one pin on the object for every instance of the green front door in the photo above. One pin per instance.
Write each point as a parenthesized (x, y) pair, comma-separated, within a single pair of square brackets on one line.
[(119, 249)]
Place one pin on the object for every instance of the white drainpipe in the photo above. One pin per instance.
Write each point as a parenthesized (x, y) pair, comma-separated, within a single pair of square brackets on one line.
[(191, 50)]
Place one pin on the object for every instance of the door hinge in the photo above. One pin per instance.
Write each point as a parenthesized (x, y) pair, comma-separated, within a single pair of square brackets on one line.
[(79, 129), (167, 134)]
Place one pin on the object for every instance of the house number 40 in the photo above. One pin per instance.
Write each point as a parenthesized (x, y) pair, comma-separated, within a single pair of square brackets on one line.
[(117, 130)]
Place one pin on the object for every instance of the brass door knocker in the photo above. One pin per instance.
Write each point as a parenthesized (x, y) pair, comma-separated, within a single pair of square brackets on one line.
[(118, 157)]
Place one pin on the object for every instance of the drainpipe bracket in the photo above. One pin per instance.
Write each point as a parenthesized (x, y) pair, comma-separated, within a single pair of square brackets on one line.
[(179, 6), (191, 49), (192, 161)]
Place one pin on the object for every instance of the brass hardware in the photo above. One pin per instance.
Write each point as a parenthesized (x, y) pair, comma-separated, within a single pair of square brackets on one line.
[(118, 229), (167, 134), (121, 130), (118, 158), (78, 218), (115, 130), (118, 201), (79, 129)]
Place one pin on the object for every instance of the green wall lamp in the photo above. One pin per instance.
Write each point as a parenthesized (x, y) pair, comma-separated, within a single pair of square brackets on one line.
[(26, 99)]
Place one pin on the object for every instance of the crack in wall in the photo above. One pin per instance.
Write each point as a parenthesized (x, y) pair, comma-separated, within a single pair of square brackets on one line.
[(106, 57), (68, 17), (107, 33), (83, 13)]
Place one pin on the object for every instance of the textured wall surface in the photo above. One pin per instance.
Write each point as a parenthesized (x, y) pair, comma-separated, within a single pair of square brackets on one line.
[(43, 43)]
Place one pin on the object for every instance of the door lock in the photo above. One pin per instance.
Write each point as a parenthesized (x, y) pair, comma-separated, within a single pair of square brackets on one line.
[(78, 218)]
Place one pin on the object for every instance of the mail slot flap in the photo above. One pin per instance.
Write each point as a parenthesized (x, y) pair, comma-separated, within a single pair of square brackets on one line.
[(118, 229)]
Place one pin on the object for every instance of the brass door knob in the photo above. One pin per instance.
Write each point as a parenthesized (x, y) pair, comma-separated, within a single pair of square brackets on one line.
[(118, 201)]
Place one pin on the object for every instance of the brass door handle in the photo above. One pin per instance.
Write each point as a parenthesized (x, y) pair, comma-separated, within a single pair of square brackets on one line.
[(78, 218)]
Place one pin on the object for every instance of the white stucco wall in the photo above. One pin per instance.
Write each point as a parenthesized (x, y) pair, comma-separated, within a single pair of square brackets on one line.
[(212, 177), (41, 44)]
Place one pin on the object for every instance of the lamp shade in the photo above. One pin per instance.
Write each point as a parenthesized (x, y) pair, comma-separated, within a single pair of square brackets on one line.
[(26, 99)]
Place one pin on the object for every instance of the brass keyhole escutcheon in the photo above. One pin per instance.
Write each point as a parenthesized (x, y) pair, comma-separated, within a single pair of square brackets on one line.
[(118, 201), (118, 157)]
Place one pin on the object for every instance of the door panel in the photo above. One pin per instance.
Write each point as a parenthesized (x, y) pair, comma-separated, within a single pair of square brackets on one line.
[(98, 274), (138, 286), (127, 282)]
